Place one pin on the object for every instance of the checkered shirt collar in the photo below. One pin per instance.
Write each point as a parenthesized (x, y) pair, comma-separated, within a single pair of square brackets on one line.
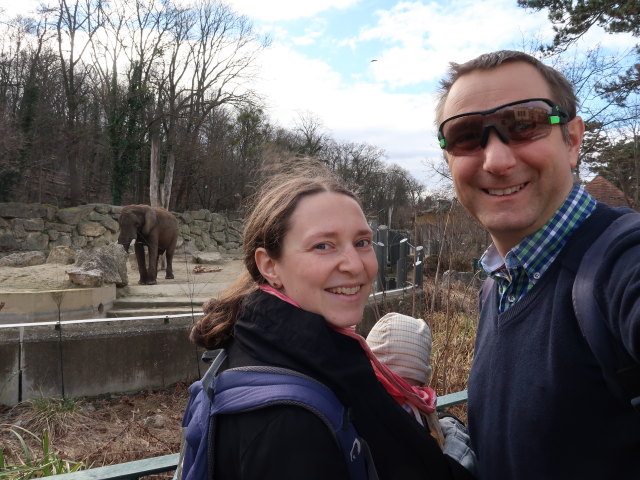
[(538, 251)]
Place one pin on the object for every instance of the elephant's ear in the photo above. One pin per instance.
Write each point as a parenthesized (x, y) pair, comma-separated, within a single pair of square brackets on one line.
[(150, 221)]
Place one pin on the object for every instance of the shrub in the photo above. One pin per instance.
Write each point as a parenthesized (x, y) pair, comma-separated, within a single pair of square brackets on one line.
[(32, 464)]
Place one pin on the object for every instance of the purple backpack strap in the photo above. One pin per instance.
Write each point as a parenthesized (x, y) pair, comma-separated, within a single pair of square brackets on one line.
[(193, 463), (249, 388)]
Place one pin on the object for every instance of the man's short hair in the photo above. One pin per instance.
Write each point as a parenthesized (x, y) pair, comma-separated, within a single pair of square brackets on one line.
[(561, 89)]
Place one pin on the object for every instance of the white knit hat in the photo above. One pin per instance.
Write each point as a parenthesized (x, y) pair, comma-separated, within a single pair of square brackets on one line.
[(403, 344)]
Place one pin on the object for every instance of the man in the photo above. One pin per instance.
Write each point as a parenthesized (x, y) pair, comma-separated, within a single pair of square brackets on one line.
[(539, 406)]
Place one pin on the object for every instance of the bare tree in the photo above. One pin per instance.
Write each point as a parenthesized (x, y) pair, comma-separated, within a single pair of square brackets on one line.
[(76, 24), (23, 54), (209, 63), (312, 134)]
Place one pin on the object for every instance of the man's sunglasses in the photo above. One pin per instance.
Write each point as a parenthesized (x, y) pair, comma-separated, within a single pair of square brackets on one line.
[(514, 123)]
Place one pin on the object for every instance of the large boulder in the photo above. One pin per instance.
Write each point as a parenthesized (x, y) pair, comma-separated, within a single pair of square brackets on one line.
[(28, 224), (35, 241), (23, 259), (90, 229), (61, 254), (218, 223), (105, 220), (62, 241), (107, 264), (8, 241), (73, 215), (86, 277), (210, 258)]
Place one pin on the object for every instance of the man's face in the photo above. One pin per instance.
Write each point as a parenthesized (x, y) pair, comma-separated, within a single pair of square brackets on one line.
[(513, 190)]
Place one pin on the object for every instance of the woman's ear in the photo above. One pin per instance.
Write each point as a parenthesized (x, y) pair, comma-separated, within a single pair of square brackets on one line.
[(267, 267)]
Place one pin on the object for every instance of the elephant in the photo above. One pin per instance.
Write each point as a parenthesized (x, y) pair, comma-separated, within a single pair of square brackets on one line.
[(153, 227)]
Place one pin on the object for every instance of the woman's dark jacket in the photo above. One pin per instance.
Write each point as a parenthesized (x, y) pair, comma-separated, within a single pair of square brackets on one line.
[(288, 442)]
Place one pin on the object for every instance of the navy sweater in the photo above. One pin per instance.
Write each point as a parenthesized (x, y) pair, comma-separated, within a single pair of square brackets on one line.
[(539, 407)]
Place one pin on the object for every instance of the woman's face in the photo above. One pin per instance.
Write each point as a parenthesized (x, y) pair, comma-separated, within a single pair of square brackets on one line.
[(327, 263)]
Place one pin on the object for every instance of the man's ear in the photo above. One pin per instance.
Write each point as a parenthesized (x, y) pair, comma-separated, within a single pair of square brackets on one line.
[(267, 266), (576, 132)]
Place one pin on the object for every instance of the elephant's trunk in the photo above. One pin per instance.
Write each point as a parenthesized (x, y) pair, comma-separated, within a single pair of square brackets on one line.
[(125, 244)]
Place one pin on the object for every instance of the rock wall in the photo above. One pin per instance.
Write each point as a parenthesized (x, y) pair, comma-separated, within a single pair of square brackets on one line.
[(34, 227)]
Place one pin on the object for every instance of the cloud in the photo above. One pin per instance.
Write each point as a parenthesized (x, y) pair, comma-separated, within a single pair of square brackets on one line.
[(11, 8), (281, 10), (401, 124), (313, 32), (423, 38)]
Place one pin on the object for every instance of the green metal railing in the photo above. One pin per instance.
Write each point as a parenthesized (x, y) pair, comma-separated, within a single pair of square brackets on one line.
[(136, 469), (168, 463)]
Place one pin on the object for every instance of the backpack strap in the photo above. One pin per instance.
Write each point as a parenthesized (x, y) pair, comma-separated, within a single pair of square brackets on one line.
[(192, 462), (248, 388), (621, 372)]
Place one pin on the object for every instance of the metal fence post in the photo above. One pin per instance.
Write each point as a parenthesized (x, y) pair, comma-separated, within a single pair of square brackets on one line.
[(418, 267), (382, 240), (401, 276)]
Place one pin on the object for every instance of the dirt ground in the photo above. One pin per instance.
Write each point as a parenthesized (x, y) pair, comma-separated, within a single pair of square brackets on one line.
[(54, 276), (99, 431), (38, 277)]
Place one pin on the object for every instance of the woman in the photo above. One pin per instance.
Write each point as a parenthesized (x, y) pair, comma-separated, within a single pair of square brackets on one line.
[(310, 265)]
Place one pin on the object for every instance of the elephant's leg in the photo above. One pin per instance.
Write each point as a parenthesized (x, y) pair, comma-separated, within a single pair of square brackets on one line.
[(153, 265), (161, 260), (142, 267), (169, 273)]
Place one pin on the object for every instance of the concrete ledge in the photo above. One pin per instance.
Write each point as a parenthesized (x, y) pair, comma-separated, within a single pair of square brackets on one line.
[(84, 359), (121, 355), (71, 304)]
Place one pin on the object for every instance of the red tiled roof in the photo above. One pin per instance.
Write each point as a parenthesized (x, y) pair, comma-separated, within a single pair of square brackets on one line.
[(604, 191)]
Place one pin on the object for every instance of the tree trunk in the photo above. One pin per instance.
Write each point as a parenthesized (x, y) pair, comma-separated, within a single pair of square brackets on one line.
[(154, 173), (165, 191), (75, 178)]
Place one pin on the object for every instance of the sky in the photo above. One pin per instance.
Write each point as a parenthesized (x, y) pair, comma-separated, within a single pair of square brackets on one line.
[(368, 70)]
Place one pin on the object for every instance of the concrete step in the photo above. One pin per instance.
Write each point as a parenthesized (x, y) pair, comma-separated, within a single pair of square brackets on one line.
[(159, 302), (173, 290)]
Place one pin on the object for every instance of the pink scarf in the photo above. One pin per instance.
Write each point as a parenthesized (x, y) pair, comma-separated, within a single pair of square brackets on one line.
[(422, 398)]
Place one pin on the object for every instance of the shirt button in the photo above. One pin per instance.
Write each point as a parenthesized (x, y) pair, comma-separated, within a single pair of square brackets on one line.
[(536, 275), (511, 298)]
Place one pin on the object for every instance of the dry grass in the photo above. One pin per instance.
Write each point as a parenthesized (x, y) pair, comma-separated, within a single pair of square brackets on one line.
[(57, 416), (452, 315), (106, 431)]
